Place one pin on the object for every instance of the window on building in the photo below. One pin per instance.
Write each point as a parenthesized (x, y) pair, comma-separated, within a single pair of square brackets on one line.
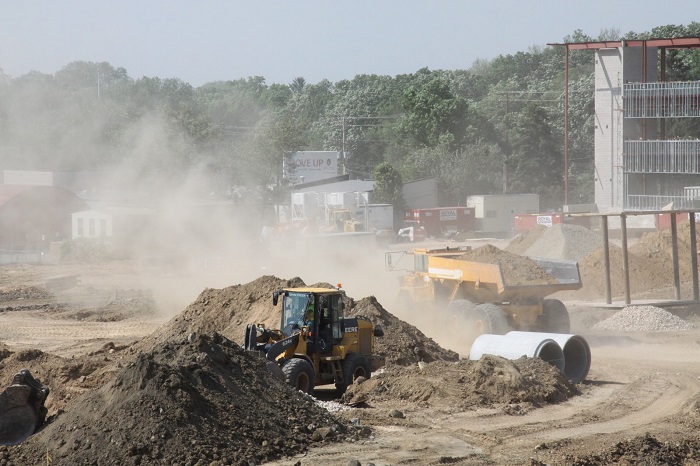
[(91, 227), (491, 214)]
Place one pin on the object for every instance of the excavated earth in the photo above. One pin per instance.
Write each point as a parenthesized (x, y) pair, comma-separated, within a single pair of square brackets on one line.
[(136, 385)]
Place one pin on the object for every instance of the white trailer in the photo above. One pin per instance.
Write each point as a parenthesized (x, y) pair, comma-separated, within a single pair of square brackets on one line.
[(494, 213)]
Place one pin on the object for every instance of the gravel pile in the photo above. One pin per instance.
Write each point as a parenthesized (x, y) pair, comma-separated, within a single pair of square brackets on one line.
[(643, 319), (561, 242)]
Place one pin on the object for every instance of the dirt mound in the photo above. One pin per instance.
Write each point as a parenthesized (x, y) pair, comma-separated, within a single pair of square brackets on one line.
[(643, 450), (517, 270), (11, 293), (226, 311), (203, 401), (402, 343), (561, 241), (67, 378), (650, 267), (490, 381), (657, 248)]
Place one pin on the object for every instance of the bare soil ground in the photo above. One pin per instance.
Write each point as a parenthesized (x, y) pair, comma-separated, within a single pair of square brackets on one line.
[(92, 342)]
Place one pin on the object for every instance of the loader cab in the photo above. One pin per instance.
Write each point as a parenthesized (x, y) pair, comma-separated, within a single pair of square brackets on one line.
[(320, 310)]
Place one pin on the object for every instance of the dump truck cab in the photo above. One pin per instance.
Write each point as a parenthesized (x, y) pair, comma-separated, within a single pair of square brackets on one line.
[(316, 344)]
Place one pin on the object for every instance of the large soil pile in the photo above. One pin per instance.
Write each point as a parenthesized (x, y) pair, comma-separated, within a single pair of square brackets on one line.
[(650, 266), (228, 311), (649, 259), (517, 270), (402, 343), (490, 381), (561, 241), (182, 403)]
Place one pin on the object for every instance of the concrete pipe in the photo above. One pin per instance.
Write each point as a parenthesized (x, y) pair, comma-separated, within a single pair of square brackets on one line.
[(577, 353), (515, 347)]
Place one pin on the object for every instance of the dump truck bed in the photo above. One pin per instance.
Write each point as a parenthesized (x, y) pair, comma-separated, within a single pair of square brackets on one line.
[(484, 282)]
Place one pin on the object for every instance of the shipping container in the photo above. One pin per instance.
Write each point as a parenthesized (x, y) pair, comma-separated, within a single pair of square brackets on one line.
[(663, 221), (438, 221)]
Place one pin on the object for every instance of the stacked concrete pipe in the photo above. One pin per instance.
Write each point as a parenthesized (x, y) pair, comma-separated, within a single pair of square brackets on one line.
[(513, 348), (567, 352)]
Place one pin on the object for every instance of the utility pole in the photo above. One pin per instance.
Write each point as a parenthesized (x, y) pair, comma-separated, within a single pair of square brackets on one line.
[(342, 157)]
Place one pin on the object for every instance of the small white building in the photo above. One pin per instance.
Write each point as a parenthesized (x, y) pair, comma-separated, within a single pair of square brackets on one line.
[(494, 213), (91, 224)]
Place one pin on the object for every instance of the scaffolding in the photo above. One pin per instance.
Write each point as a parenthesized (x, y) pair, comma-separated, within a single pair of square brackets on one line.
[(662, 100), (662, 156)]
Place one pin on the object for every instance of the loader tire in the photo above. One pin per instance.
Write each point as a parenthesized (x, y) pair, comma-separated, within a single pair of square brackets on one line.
[(299, 374), (488, 318), (554, 317), (251, 336), (354, 366)]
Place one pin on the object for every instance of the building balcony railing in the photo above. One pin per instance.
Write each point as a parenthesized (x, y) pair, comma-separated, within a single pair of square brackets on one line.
[(662, 100), (674, 156)]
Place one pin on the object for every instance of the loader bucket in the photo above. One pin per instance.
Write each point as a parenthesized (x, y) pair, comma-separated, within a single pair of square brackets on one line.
[(22, 409)]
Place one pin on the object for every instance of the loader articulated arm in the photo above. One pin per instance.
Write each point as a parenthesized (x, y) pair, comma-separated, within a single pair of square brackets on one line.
[(22, 409)]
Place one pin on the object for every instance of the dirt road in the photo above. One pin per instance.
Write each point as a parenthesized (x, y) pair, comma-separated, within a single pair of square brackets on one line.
[(638, 383)]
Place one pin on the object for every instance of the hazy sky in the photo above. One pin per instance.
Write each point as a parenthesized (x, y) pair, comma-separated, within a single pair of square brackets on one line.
[(211, 40)]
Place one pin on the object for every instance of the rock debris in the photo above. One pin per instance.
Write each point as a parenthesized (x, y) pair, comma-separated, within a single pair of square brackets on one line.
[(638, 318)]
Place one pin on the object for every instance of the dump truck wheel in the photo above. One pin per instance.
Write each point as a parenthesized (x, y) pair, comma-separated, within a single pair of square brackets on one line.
[(460, 307), (554, 317), (299, 374), (354, 366), (488, 318), (458, 311)]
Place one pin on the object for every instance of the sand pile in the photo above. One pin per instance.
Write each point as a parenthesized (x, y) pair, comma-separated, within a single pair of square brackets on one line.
[(402, 343), (517, 270), (490, 381), (561, 241), (203, 401)]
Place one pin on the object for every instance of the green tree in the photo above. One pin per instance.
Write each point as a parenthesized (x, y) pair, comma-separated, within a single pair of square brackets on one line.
[(388, 186), (432, 112), (536, 163)]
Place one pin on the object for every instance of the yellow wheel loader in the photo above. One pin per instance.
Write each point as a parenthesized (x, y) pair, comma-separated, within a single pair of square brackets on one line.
[(22, 409), (317, 345)]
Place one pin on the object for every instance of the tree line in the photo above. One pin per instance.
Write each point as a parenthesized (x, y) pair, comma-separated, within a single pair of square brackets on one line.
[(496, 127)]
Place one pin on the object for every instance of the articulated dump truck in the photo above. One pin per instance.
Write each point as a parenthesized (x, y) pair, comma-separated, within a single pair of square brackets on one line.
[(477, 294)]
